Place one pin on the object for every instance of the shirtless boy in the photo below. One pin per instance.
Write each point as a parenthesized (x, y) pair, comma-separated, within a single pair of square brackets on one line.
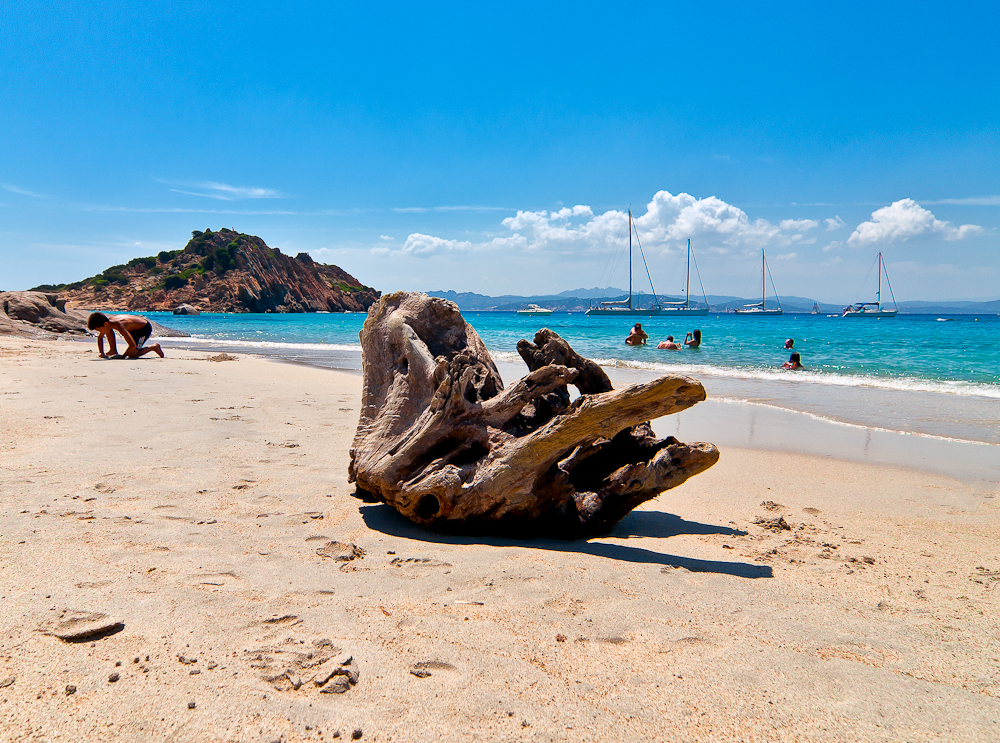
[(133, 328)]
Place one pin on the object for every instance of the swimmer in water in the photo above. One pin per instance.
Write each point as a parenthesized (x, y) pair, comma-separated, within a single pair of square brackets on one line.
[(794, 362), (637, 337)]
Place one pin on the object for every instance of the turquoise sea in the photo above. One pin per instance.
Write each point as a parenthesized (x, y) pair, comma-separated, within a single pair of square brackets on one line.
[(916, 373)]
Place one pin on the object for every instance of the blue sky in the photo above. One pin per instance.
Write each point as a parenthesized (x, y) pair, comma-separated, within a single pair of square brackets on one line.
[(436, 147)]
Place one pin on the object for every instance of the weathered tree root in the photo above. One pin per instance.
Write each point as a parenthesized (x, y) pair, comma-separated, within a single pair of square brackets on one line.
[(442, 441)]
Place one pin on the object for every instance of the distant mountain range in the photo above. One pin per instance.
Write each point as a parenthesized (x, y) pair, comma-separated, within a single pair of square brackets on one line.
[(578, 300)]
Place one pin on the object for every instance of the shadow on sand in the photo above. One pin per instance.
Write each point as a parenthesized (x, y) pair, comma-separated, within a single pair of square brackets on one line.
[(385, 519)]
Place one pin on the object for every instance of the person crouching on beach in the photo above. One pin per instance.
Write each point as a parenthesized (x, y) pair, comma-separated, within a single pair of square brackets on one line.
[(669, 344), (794, 362), (693, 339), (133, 328), (637, 337)]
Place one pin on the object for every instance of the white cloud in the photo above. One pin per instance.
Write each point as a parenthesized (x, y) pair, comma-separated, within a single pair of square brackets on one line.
[(834, 224), (904, 219), (972, 201), (670, 218), (785, 257), (241, 192), (427, 245), (833, 246), (799, 225), (225, 192), (22, 191), (667, 223), (381, 251), (385, 237)]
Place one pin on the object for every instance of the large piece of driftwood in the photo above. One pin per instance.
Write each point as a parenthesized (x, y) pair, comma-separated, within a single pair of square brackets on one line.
[(445, 443)]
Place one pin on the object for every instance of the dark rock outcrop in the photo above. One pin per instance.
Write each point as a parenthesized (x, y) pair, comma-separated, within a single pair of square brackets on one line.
[(222, 271), (185, 309)]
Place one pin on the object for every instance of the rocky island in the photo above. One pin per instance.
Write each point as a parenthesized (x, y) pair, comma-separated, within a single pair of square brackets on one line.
[(223, 271)]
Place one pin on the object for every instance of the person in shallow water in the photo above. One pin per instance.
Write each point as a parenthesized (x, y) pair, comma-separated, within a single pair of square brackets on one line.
[(135, 329), (794, 362), (693, 339), (669, 344), (789, 343), (638, 336)]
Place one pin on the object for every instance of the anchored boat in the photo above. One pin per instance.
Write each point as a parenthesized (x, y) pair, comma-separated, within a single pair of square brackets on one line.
[(685, 308), (624, 307), (534, 309), (760, 308), (874, 309)]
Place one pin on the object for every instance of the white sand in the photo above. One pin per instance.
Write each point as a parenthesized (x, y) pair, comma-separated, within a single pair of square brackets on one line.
[(188, 499)]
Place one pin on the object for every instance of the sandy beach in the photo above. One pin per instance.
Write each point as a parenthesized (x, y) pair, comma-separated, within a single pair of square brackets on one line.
[(202, 511)]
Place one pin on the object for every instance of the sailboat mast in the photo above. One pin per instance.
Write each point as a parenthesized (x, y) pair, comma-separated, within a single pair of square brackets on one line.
[(878, 294), (630, 259), (687, 286), (763, 276)]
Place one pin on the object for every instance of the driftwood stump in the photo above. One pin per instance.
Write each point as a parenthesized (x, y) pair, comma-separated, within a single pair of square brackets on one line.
[(442, 441)]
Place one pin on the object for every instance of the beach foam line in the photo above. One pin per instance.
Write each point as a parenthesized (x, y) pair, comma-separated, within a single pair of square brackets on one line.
[(838, 422), (906, 384), (263, 345)]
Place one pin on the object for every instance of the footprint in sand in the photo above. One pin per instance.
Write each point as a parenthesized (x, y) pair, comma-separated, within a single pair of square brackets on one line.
[(341, 551), (418, 567)]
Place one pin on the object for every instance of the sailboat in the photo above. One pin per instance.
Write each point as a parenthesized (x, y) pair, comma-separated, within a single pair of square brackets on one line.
[(815, 309), (685, 308), (759, 308), (874, 309), (624, 307)]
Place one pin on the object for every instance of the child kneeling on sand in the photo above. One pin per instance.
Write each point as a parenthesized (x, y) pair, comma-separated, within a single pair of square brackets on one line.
[(133, 328)]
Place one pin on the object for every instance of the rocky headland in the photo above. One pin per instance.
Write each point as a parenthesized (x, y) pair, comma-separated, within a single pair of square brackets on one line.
[(223, 271)]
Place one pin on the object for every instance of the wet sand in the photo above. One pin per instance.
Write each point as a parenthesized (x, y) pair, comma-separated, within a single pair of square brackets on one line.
[(786, 594)]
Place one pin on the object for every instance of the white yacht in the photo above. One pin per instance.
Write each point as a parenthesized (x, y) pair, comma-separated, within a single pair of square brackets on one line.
[(534, 309)]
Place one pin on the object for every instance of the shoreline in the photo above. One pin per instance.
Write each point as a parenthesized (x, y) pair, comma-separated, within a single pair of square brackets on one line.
[(791, 428), (965, 418), (959, 410)]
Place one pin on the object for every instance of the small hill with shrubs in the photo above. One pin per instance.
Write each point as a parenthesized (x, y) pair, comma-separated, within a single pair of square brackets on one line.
[(223, 271)]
